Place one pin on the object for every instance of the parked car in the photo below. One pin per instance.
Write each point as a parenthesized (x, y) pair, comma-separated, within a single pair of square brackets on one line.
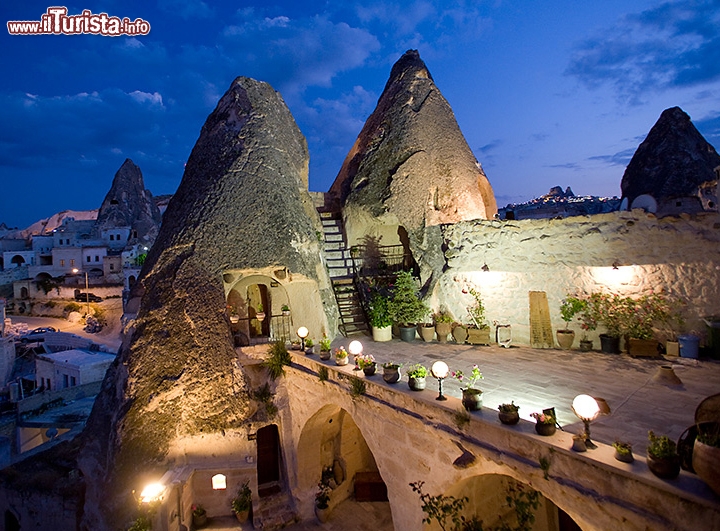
[(87, 297), (37, 335)]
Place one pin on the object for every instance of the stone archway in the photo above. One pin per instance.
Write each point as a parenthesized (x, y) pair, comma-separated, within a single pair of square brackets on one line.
[(17, 260), (244, 298), (331, 441)]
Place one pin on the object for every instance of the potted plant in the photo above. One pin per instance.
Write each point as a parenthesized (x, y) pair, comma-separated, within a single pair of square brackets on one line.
[(406, 308), (623, 451), (367, 363), (544, 422), (325, 348), (341, 356), (199, 516), (285, 309), (309, 346), (478, 332), (391, 372), (426, 331), (706, 454), (416, 376), (568, 308), (662, 457), (471, 397), (641, 315), (322, 501), (234, 317), (588, 322), (260, 313), (443, 325), (508, 413), (379, 317), (579, 440), (242, 503)]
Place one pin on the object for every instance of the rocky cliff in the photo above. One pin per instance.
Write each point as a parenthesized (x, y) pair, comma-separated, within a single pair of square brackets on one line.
[(410, 164), (672, 161), (242, 204), (129, 204)]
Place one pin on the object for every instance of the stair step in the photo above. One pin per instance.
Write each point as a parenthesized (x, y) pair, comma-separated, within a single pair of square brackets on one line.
[(334, 237), (334, 246), (329, 215)]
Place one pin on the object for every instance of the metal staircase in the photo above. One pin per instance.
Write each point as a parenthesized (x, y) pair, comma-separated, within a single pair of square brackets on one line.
[(340, 268)]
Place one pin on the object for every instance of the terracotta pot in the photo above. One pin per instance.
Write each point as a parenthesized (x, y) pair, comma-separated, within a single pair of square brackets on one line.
[(243, 516), (706, 462), (416, 384), (664, 468), (382, 334), (545, 429), (427, 332), (460, 334), (509, 418), (565, 338), (391, 376), (472, 399), (443, 331)]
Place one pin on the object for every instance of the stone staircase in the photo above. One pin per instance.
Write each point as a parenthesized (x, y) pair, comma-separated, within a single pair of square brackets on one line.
[(340, 269), (274, 512)]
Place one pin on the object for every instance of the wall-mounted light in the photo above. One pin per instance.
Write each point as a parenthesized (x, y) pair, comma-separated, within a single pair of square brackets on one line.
[(439, 370), (302, 333), (152, 492)]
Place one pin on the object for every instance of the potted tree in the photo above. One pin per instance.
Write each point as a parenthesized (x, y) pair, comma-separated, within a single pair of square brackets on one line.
[(443, 325), (478, 332), (379, 317), (242, 503), (406, 308), (568, 308), (471, 397), (508, 413), (416, 377), (662, 457)]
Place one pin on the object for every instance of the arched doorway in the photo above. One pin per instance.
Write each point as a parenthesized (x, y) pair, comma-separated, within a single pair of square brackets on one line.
[(24, 293), (17, 260), (268, 460), (11, 521), (258, 302)]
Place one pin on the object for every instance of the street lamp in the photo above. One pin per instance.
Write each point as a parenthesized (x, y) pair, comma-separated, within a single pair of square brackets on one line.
[(87, 290), (587, 409), (440, 370), (302, 333)]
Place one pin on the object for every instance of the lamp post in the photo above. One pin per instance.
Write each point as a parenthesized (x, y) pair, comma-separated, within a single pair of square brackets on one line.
[(302, 333), (587, 410), (87, 290), (355, 348), (440, 370)]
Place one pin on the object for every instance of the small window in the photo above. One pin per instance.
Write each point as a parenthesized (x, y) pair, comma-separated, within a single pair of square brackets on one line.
[(72, 261), (678, 203), (112, 267), (97, 258), (73, 381), (62, 263), (112, 237), (219, 482)]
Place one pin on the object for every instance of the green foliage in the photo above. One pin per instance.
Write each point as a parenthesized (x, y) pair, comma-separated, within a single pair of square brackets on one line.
[(440, 508), (661, 446), (140, 260), (545, 466), (323, 373), (569, 307), (443, 316), (309, 343), (461, 417), (508, 408), (72, 307), (325, 344), (623, 448), (357, 387), (242, 501), (143, 523), (709, 433), (278, 357), (379, 311), (477, 310), (406, 307), (417, 371)]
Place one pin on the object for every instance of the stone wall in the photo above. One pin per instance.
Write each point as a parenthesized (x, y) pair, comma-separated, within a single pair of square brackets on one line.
[(628, 253)]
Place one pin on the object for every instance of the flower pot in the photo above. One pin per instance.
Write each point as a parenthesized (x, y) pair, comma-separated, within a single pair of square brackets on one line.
[(565, 338), (416, 384), (199, 520), (672, 348), (390, 375), (579, 445), (382, 334), (689, 346), (472, 399), (478, 336), (369, 371), (545, 429), (625, 457), (286, 313), (586, 345), (310, 350), (341, 361), (407, 333), (325, 354), (260, 316), (706, 463), (443, 331), (609, 344), (234, 319), (322, 514), (460, 334), (643, 348), (427, 332), (509, 418), (668, 468), (243, 516)]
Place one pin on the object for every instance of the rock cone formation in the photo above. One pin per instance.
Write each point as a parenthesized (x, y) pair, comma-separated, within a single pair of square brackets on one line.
[(177, 387), (410, 164), (673, 161), (129, 204)]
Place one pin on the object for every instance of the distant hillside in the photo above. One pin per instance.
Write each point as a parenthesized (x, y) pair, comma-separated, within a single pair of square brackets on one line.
[(51, 223)]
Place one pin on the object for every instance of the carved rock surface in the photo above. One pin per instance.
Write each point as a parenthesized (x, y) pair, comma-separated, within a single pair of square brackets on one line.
[(672, 161), (242, 203), (411, 162), (129, 204)]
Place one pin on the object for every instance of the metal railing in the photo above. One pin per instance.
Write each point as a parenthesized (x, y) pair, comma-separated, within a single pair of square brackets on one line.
[(272, 328)]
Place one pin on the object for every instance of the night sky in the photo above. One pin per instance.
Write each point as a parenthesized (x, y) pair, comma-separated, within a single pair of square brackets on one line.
[(546, 93)]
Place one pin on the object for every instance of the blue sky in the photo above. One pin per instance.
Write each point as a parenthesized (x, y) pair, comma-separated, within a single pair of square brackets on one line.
[(546, 93)]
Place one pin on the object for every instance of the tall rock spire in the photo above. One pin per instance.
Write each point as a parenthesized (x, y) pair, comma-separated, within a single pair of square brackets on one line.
[(411, 165), (672, 161), (129, 204)]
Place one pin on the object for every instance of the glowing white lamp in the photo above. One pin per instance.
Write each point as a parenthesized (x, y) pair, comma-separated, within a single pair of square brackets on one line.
[(302, 333), (587, 410), (440, 371), (355, 348), (152, 492)]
